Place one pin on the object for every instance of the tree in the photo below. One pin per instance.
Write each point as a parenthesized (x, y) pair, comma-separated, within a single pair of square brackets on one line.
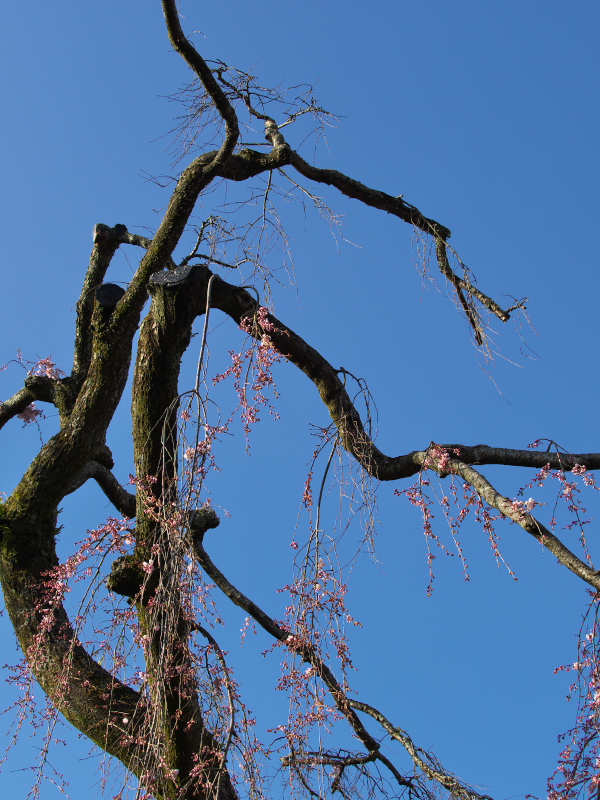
[(173, 728)]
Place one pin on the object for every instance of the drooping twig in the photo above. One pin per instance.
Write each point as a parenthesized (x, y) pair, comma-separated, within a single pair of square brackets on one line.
[(303, 649), (513, 511)]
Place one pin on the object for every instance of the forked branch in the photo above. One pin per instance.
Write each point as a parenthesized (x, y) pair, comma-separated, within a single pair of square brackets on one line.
[(423, 760)]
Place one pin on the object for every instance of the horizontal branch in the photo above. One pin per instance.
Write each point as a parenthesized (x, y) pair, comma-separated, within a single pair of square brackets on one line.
[(15, 405), (484, 454)]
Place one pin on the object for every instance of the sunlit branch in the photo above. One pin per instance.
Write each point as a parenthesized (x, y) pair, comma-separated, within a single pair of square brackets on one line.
[(514, 512), (426, 762), (195, 61), (15, 405)]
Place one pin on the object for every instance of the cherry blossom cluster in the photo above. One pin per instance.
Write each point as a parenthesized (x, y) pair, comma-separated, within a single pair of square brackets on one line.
[(456, 506), (44, 367), (577, 776), (251, 371)]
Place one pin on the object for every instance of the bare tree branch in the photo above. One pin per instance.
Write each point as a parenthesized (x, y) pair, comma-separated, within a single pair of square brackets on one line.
[(15, 405), (195, 61), (370, 197), (427, 763), (123, 501)]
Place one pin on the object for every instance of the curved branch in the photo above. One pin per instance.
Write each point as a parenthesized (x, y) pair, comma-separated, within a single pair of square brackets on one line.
[(249, 163), (122, 500), (427, 763), (359, 444), (195, 61), (239, 304), (15, 405)]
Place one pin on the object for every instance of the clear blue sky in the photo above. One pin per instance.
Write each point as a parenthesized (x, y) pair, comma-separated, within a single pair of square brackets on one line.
[(485, 116)]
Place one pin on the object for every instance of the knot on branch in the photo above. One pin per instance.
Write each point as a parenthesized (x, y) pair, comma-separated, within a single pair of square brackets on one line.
[(179, 276), (109, 294), (104, 456), (105, 236), (201, 520), (126, 577), (60, 392), (273, 135), (41, 387)]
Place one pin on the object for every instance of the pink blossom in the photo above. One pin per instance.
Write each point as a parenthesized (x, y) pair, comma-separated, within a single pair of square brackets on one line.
[(29, 414), (47, 368)]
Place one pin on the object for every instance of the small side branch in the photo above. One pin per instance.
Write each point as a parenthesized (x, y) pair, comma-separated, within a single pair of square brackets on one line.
[(122, 500), (465, 285)]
